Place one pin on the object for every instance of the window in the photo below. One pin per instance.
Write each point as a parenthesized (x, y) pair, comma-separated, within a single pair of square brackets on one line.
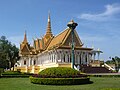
[(24, 62), (34, 62), (80, 58), (86, 58), (64, 57), (68, 58)]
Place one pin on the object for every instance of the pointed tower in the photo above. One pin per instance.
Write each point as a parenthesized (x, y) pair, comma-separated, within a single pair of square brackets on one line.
[(25, 38), (48, 31), (48, 36), (24, 46)]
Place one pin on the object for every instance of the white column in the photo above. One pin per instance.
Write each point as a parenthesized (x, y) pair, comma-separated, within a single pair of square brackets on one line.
[(29, 61), (94, 56), (98, 55), (60, 57), (87, 58), (78, 59), (81, 57)]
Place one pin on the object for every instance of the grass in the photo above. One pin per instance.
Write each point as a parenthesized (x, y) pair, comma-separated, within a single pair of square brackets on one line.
[(99, 83)]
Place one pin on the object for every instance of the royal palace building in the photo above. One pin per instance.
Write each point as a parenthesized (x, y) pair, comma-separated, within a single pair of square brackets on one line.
[(54, 51)]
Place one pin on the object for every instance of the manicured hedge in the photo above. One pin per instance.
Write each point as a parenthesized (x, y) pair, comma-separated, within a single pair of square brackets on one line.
[(59, 81), (60, 72), (14, 74), (11, 73), (92, 75), (111, 89), (59, 76)]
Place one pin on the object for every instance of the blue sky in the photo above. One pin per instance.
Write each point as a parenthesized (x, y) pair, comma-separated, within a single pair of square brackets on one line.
[(98, 21)]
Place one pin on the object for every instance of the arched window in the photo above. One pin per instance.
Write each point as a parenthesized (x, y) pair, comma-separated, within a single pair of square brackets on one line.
[(86, 58), (34, 62), (68, 58), (80, 58), (64, 57), (24, 62)]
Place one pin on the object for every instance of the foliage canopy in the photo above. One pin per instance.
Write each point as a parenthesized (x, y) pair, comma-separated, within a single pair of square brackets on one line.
[(8, 53)]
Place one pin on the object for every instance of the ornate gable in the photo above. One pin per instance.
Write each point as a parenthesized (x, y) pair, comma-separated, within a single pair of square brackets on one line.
[(25, 49), (68, 39), (58, 40)]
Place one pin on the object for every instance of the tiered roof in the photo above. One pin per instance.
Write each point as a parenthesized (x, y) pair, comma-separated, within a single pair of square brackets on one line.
[(48, 41)]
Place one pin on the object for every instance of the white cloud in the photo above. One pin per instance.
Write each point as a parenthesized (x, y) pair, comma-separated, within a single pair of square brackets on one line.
[(108, 14)]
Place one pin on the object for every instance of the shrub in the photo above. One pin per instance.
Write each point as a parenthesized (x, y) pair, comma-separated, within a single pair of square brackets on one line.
[(95, 75), (60, 72), (59, 76), (1, 70), (59, 81), (111, 89), (14, 74), (11, 73)]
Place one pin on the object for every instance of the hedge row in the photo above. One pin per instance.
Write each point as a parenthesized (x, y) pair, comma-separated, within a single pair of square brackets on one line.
[(104, 75), (15, 76), (110, 89), (15, 73), (59, 81)]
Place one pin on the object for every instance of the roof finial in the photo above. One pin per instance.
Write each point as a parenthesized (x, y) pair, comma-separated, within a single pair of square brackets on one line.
[(25, 37), (49, 25), (48, 16)]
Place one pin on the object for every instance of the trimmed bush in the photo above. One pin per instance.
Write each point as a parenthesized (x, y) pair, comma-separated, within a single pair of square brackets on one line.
[(14, 74), (60, 72), (95, 75), (59, 81), (59, 76), (11, 73), (111, 89)]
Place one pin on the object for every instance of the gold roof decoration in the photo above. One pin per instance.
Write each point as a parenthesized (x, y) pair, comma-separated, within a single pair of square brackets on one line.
[(48, 41), (25, 38)]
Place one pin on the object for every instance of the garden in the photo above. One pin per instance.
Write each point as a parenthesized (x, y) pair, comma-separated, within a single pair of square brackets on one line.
[(99, 83), (57, 79)]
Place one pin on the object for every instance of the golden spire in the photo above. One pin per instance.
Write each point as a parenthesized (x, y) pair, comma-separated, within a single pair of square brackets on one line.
[(25, 38), (49, 25)]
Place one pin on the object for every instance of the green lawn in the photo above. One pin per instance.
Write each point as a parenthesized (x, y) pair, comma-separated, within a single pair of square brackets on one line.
[(24, 84)]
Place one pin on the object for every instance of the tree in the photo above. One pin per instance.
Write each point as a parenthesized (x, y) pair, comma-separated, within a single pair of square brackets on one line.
[(116, 61), (8, 53)]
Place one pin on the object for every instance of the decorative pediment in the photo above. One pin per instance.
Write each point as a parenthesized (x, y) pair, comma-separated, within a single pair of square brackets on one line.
[(68, 39)]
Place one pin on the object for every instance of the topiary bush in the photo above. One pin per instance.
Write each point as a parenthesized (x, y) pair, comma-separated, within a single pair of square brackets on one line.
[(59, 81), (59, 72), (59, 76)]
